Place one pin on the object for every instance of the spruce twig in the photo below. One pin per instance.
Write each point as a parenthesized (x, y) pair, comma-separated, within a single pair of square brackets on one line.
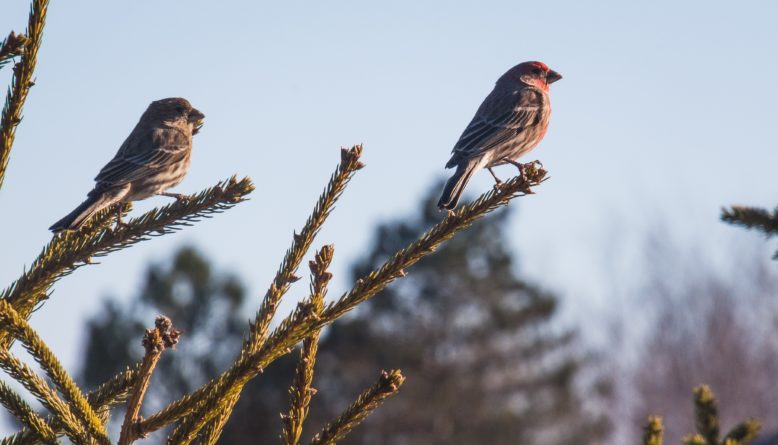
[(652, 432), (12, 46), (301, 243), (45, 394), (156, 340), (301, 391), (21, 82), (108, 394), (753, 218), (20, 329), (26, 415), (388, 385), (207, 401), (743, 433), (70, 250), (706, 414)]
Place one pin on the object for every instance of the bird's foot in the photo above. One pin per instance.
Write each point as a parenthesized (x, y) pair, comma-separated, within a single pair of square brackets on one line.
[(119, 223), (535, 162)]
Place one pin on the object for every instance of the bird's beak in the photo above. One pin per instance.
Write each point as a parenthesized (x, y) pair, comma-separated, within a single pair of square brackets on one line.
[(195, 115), (552, 76)]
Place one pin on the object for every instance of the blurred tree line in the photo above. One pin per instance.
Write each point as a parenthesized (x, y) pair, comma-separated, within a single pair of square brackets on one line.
[(486, 361)]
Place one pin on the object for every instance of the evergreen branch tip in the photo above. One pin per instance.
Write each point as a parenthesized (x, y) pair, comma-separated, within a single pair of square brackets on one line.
[(302, 391), (155, 341), (22, 81), (706, 414), (388, 384), (652, 432)]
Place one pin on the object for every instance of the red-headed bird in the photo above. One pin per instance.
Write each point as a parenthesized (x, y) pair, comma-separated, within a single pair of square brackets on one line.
[(510, 122), (153, 158)]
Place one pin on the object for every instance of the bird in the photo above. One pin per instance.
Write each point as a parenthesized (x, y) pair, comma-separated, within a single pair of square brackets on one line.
[(153, 158), (510, 122)]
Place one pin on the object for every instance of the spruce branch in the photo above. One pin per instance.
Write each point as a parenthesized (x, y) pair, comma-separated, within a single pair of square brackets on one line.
[(19, 328), (21, 82), (301, 391), (743, 433), (70, 250), (156, 340), (213, 429), (26, 415), (286, 274), (206, 402), (706, 414), (754, 218), (108, 394), (652, 432), (12, 46), (388, 385), (455, 221), (301, 243), (45, 394)]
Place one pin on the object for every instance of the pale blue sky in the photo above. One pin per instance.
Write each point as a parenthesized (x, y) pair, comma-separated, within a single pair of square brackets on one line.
[(666, 112)]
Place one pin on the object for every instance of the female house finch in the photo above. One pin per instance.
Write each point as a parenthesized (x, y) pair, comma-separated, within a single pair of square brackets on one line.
[(510, 122), (154, 157)]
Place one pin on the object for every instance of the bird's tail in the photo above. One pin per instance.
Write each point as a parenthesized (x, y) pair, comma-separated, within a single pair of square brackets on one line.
[(93, 204), (456, 185)]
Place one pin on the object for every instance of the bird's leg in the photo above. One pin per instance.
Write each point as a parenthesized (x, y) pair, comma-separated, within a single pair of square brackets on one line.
[(497, 181), (518, 165), (119, 222), (178, 196)]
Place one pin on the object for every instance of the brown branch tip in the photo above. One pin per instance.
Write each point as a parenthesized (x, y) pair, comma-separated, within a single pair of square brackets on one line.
[(12, 46), (156, 340), (163, 336)]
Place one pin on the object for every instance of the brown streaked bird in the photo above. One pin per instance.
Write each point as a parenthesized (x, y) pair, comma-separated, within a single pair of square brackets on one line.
[(510, 122), (153, 158)]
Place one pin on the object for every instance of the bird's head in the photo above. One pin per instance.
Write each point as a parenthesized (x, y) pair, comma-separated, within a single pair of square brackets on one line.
[(536, 74), (175, 111)]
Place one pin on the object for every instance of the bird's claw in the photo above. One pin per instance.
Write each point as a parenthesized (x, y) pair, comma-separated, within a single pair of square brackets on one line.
[(536, 161)]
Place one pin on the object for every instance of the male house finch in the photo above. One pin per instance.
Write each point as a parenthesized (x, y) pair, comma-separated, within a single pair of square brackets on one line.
[(154, 157), (510, 122)]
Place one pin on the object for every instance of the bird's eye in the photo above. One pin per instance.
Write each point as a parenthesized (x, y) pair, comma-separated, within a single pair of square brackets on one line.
[(180, 109), (539, 72)]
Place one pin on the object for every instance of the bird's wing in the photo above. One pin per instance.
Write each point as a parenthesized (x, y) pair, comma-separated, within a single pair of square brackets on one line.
[(501, 117), (143, 155)]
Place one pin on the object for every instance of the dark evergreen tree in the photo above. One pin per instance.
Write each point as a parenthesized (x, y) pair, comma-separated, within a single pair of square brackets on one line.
[(484, 361), (205, 306)]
